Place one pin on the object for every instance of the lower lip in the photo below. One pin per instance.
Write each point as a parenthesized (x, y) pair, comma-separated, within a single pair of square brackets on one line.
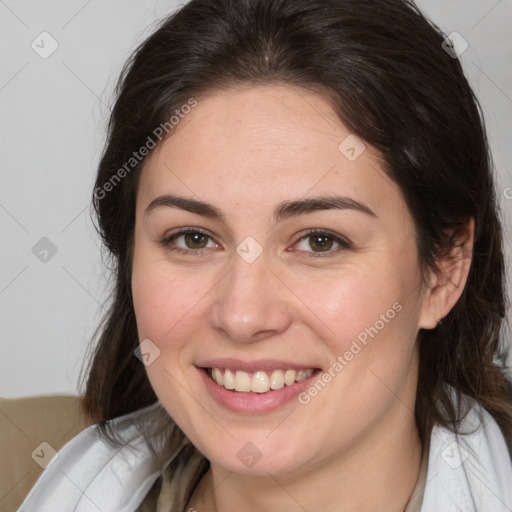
[(254, 403)]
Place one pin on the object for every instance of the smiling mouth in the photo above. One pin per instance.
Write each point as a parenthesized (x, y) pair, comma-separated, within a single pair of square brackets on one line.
[(259, 381)]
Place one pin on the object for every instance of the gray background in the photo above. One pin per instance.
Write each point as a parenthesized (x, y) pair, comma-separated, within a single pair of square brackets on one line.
[(53, 114)]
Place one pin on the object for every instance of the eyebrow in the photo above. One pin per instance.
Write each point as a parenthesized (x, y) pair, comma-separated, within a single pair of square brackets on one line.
[(282, 211)]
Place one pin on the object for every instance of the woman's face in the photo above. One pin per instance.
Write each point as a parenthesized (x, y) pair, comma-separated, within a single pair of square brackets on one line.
[(298, 261)]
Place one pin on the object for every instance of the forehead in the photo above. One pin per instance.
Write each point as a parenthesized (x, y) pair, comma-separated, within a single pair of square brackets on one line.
[(261, 145)]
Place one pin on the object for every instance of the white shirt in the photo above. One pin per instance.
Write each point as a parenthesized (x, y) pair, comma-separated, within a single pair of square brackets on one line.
[(466, 473)]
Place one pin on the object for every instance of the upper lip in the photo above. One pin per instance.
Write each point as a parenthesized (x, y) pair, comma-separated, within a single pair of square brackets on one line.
[(253, 366)]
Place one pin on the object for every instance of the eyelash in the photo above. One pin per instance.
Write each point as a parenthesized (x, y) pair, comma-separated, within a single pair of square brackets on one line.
[(343, 243)]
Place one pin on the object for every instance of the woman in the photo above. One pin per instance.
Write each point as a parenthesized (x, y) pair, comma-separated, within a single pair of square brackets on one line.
[(298, 200)]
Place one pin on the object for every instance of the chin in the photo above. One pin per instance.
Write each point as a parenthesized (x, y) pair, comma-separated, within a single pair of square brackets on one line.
[(282, 455)]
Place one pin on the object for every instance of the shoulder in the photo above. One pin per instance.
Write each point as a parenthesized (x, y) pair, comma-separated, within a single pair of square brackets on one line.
[(89, 473), (470, 471)]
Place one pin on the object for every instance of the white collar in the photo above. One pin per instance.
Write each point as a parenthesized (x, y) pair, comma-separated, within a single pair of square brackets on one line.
[(470, 473)]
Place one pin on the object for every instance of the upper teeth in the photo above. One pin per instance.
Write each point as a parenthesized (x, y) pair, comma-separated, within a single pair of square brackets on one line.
[(260, 381)]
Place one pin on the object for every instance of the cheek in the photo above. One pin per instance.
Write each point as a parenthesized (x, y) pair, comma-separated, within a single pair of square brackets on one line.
[(369, 320), (165, 304), (163, 298), (349, 303), (367, 317)]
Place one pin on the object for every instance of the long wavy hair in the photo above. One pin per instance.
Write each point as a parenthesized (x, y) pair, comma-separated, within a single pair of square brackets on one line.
[(382, 66)]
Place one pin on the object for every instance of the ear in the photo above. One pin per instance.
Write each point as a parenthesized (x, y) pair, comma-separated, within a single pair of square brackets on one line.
[(447, 283)]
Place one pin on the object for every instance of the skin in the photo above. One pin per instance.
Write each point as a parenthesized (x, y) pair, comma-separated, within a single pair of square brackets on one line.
[(354, 446)]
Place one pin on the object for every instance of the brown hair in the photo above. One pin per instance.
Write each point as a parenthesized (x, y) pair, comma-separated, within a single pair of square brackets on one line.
[(381, 64)]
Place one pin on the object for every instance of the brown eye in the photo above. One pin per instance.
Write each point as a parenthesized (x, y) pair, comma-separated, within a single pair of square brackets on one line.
[(317, 242), (189, 241), (195, 240), (320, 243)]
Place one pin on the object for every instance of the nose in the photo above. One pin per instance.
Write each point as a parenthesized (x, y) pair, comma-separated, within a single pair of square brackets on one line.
[(250, 302)]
